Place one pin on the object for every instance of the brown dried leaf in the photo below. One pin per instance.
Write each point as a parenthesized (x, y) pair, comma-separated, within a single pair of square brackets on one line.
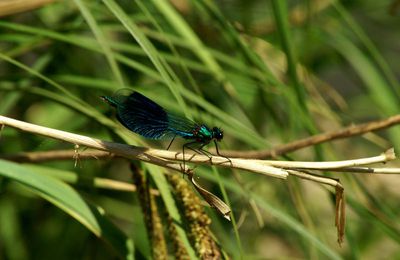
[(340, 216), (213, 200)]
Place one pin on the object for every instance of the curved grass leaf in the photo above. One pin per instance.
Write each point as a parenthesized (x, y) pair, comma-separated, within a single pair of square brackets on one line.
[(160, 64), (68, 200), (101, 40)]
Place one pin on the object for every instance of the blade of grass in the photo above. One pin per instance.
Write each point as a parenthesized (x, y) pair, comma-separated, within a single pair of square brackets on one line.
[(233, 219), (282, 21), (72, 100), (379, 91), (188, 36), (370, 46), (11, 234), (68, 200), (148, 47), (83, 42), (226, 59), (261, 70), (40, 75), (89, 44), (366, 214), (101, 40), (74, 178), (174, 51), (281, 18)]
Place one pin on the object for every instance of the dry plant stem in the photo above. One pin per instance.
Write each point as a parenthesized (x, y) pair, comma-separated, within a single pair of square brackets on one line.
[(113, 185), (166, 158), (158, 157), (369, 170), (340, 210), (316, 178), (346, 132), (9, 7), (45, 156), (384, 157), (37, 157), (340, 166), (108, 184)]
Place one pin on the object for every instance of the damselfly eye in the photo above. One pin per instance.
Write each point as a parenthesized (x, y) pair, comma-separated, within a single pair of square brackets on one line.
[(217, 133)]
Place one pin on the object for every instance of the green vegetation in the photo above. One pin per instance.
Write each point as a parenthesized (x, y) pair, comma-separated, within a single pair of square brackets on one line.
[(266, 72)]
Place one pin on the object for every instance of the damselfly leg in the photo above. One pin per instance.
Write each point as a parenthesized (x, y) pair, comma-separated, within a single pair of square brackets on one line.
[(171, 142), (216, 148)]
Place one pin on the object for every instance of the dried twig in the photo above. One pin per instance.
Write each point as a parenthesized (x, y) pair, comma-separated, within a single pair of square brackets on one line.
[(54, 155), (9, 7), (346, 132)]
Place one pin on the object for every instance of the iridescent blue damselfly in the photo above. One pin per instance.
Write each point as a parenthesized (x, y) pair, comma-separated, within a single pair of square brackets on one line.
[(146, 118)]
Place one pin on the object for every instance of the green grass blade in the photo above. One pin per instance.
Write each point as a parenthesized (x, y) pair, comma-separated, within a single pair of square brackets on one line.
[(189, 37), (11, 233), (233, 218), (83, 42), (68, 200), (175, 54), (379, 91), (381, 62), (148, 47), (38, 74), (366, 214), (282, 21), (101, 40), (372, 79)]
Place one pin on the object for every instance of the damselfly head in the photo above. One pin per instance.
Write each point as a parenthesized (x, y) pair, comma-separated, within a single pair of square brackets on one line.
[(217, 133)]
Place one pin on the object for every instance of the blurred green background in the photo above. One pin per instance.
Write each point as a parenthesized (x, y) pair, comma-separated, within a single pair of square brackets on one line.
[(228, 63)]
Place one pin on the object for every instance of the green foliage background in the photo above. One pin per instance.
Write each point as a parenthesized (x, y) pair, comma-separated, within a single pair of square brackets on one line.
[(226, 63)]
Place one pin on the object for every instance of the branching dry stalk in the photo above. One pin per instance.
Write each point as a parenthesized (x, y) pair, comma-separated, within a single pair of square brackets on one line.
[(346, 132), (57, 155), (172, 160)]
